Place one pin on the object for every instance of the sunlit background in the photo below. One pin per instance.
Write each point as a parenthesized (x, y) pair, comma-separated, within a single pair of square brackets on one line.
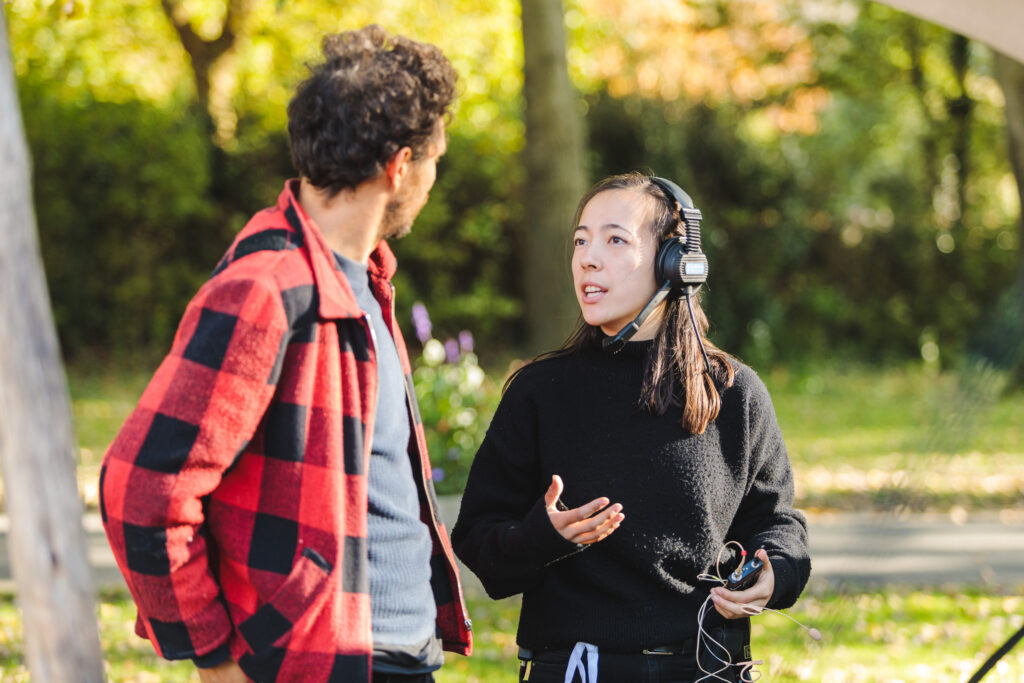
[(862, 222)]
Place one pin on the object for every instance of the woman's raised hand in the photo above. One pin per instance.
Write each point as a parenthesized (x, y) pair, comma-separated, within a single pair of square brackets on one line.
[(588, 523)]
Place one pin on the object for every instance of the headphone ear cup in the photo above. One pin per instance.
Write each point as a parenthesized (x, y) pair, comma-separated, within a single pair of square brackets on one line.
[(668, 262)]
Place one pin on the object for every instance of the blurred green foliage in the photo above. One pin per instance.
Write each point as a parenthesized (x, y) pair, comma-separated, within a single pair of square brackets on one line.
[(136, 200), (456, 401), (848, 242), (873, 232), (121, 238)]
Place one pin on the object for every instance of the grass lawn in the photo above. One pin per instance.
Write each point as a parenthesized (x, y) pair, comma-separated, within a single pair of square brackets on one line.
[(879, 636), (862, 438)]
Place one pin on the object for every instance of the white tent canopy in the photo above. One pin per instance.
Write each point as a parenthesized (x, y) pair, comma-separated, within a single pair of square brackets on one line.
[(999, 23)]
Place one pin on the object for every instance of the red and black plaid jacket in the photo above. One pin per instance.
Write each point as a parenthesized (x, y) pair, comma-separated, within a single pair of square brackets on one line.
[(235, 494)]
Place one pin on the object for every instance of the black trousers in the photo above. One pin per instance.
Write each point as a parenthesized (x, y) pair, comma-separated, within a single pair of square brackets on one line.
[(548, 666), (403, 678)]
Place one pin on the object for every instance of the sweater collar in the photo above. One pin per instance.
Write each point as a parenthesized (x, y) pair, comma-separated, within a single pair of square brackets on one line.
[(632, 359)]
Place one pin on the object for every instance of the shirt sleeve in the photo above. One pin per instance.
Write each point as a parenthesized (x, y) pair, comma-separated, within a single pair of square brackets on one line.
[(766, 517), (196, 416), (503, 533)]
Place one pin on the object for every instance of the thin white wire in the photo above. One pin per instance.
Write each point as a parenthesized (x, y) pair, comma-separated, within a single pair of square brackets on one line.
[(747, 669)]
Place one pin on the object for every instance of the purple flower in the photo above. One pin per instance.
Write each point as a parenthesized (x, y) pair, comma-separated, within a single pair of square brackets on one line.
[(438, 474), (466, 341), (451, 351), (421, 321)]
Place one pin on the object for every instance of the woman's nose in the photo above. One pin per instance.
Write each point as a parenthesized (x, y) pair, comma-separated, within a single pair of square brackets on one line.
[(589, 259)]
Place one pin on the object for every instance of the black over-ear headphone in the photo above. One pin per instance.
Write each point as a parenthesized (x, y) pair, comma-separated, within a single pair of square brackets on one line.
[(680, 267), (680, 260)]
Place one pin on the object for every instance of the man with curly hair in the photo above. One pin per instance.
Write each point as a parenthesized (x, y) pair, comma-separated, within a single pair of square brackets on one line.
[(269, 501)]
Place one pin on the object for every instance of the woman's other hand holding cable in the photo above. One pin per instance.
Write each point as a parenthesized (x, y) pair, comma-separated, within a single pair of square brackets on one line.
[(739, 604)]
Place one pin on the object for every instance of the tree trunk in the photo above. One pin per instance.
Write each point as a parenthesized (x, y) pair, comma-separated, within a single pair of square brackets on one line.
[(555, 176), (959, 109), (1010, 75), (929, 148), (47, 543)]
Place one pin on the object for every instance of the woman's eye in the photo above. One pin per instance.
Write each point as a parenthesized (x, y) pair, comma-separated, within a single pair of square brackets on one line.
[(579, 242), (617, 240)]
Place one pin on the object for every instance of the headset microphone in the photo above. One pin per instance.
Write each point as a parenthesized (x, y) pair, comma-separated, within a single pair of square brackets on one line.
[(618, 342), (680, 266)]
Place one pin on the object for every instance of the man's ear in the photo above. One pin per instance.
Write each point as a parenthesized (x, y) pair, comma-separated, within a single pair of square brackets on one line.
[(396, 167)]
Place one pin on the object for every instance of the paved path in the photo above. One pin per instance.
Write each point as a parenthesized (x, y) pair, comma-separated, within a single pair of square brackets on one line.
[(847, 549), (920, 550)]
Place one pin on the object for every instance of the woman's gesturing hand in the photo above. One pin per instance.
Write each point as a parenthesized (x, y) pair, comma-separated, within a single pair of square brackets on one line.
[(588, 523), (739, 604)]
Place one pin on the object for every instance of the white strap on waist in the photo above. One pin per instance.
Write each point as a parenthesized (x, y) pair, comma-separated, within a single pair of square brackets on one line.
[(588, 675)]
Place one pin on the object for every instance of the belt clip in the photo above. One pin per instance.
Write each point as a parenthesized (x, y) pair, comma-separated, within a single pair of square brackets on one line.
[(657, 651)]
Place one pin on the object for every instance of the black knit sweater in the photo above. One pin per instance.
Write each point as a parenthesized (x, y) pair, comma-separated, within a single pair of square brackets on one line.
[(683, 495)]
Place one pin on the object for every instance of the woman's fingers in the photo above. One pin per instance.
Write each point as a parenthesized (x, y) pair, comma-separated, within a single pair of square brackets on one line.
[(592, 528), (727, 608), (562, 519), (736, 604), (587, 523), (602, 531), (585, 512)]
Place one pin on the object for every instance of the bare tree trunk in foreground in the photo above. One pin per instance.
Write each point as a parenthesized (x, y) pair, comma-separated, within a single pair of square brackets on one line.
[(47, 543)]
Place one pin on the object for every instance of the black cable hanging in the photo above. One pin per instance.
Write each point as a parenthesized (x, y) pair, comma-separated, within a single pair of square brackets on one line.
[(700, 343), (997, 655)]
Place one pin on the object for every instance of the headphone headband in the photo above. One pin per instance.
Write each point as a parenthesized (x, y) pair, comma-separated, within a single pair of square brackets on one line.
[(673, 191)]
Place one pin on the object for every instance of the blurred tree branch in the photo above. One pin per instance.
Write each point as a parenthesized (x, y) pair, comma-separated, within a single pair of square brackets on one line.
[(205, 53)]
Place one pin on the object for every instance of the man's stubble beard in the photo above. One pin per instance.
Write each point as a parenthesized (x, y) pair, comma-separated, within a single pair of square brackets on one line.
[(394, 224)]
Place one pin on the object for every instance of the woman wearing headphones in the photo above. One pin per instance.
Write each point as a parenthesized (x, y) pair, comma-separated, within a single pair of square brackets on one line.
[(617, 468)]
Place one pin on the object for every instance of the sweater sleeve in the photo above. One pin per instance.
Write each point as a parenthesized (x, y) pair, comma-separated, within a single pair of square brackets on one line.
[(503, 533), (197, 414), (766, 517)]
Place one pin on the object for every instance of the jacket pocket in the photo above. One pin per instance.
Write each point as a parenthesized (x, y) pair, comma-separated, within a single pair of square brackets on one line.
[(268, 630)]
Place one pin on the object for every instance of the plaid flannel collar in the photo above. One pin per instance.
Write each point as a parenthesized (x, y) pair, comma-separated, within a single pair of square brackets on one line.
[(336, 297)]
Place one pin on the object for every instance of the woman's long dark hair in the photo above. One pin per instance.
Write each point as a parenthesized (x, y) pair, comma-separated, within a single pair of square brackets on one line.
[(675, 374)]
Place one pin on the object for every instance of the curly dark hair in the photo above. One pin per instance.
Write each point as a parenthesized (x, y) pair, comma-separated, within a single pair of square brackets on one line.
[(373, 94)]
